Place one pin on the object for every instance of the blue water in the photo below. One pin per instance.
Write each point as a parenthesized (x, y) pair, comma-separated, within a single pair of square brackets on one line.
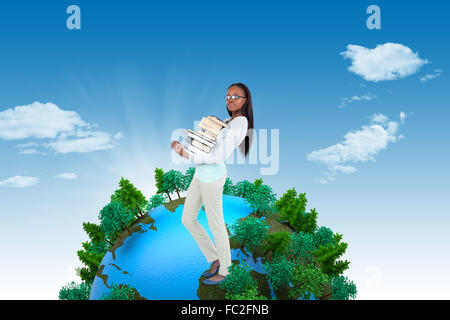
[(166, 264)]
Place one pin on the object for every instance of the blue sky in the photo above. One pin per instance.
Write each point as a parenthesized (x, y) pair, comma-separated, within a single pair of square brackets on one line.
[(362, 117)]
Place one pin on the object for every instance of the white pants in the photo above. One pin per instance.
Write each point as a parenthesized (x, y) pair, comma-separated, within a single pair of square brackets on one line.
[(211, 195)]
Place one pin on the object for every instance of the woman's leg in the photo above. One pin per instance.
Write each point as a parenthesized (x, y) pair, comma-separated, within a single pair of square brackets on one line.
[(192, 205), (212, 197)]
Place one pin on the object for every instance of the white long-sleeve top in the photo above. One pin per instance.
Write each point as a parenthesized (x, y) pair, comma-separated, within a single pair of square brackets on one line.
[(211, 166)]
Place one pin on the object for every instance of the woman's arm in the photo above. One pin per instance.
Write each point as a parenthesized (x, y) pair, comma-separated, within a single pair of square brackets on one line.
[(178, 148)]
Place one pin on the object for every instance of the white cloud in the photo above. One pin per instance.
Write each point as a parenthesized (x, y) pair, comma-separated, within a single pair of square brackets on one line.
[(88, 142), (389, 61), (19, 182), (403, 116), (343, 169), (27, 145), (381, 118), (427, 77), (37, 120), (118, 135), (358, 146), (27, 148), (323, 181), (67, 131), (68, 176), (31, 151), (367, 96)]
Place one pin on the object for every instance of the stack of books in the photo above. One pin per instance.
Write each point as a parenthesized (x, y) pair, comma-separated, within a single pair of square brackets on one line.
[(204, 139)]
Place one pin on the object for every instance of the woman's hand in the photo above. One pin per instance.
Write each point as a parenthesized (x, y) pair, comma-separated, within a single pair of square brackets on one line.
[(178, 148)]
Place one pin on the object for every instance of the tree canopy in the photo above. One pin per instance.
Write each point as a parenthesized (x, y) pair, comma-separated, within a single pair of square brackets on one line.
[(129, 196)]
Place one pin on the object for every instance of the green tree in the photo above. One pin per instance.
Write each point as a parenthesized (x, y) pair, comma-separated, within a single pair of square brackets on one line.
[(74, 291), (244, 188), (249, 232), (228, 187), (292, 209), (301, 247), (187, 178), (326, 257), (308, 222), (119, 292), (277, 242), (343, 289), (91, 260), (130, 197), (155, 201), (261, 200), (323, 237), (159, 174), (307, 280), (114, 217), (173, 182), (238, 280), (257, 183), (249, 294), (290, 206), (93, 251), (279, 270), (99, 244)]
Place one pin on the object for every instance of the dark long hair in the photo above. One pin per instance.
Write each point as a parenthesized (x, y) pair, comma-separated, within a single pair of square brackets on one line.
[(247, 111)]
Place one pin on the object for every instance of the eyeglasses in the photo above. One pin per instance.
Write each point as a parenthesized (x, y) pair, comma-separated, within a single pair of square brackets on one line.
[(234, 97)]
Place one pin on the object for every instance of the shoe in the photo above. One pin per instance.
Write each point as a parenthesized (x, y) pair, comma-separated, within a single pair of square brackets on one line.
[(207, 274), (210, 282)]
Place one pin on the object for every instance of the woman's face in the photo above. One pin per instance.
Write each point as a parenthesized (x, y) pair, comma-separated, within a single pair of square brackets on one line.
[(235, 104)]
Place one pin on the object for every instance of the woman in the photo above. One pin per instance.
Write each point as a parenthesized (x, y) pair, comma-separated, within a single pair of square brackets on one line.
[(208, 181)]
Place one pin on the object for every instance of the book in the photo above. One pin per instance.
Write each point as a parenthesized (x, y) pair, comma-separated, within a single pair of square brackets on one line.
[(209, 128), (201, 137), (204, 139), (217, 120), (196, 137), (211, 123), (194, 150), (200, 145), (211, 136)]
